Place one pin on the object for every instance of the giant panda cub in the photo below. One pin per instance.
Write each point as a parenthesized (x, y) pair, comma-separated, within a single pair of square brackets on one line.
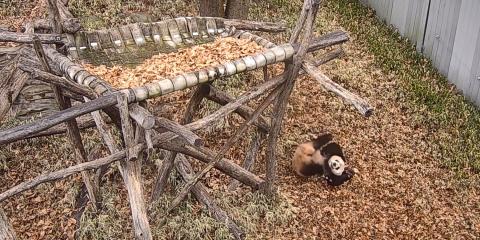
[(321, 156)]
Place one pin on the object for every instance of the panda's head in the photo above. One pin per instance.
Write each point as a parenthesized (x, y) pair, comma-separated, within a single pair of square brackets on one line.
[(336, 164)]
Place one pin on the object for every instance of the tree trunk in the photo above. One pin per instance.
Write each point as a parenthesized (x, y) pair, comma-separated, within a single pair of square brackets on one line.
[(237, 9), (211, 8)]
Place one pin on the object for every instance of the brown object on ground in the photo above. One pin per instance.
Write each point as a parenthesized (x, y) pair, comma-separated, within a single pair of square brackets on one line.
[(211, 8), (61, 17)]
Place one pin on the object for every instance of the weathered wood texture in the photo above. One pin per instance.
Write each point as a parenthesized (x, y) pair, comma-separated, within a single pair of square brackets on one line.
[(62, 18), (361, 105), (59, 82), (211, 8), (131, 172), (84, 122), (237, 9), (219, 156), (305, 23), (327, 40), (244, 111), (224, 165), (60, 174), (21, 132), (167, 165), (72, 127), (6, 230), (256, 26), (225, 110), (180, 130), (6, 36), (201, 194), (12, 81)]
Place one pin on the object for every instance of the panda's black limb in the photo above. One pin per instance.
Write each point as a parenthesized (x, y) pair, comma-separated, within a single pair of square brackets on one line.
[(334, 180), (321, 140), (332, 149)]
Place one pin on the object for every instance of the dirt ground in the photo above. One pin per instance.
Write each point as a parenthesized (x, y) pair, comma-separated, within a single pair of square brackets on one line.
[(401, 191)]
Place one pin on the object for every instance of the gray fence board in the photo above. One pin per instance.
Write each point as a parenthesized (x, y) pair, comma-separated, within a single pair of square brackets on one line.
[(464, 48), (399, 16), (446, 31)]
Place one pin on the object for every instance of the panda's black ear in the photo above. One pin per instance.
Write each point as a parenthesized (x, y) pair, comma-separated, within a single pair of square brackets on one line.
[(332, 149), (321, 140)]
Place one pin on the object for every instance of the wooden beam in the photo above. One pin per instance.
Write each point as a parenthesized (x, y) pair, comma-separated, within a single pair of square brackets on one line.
[(360, 104), (180, 130), (232, 140), (72, 127), (61, 174), (225, 110), (167, 165), (244, 111), (60, 82), (6, 36), (305, 23), (255, 26), (131, 173), (226, 166), (127, 128), (21, 132), (327, 40), (12, 81)]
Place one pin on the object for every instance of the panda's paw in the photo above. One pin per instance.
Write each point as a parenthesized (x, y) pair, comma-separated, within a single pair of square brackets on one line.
[(339, 180), (349, 173)]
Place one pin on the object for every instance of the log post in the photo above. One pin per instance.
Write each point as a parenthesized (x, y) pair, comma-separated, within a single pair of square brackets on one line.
[(306, 22), (131, 173), (6, 230), (72, 126), (12, 81)]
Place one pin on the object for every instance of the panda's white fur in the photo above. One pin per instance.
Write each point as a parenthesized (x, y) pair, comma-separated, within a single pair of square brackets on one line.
[(337, 165)]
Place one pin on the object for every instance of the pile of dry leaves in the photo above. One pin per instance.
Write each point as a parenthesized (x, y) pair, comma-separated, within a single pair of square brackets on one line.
[(184, 60)]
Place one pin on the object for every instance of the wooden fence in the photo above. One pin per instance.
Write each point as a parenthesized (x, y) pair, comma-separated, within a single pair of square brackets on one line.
[(446, 31)]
